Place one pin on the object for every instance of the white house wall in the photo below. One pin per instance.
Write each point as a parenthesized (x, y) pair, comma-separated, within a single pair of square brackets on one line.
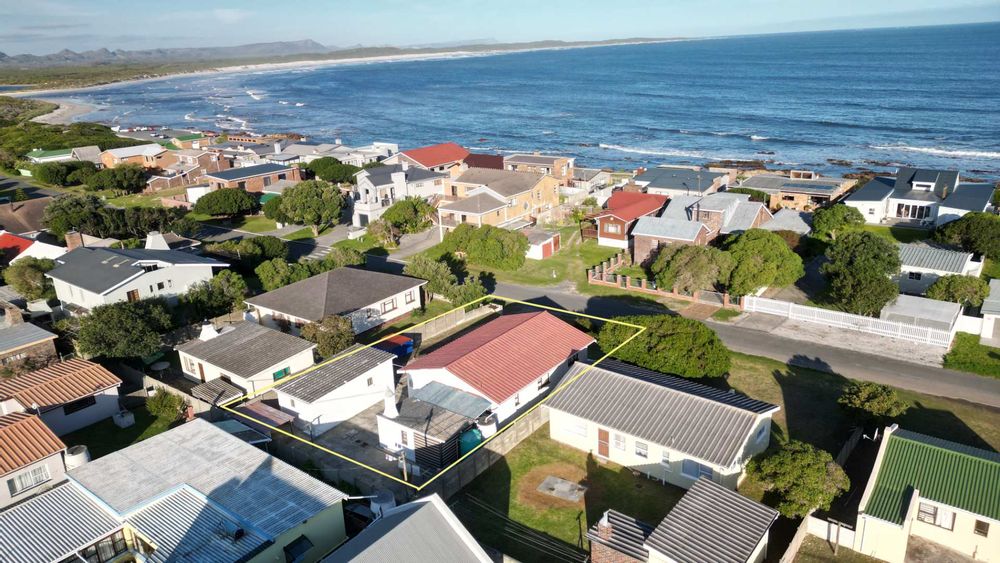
[(361, 320), (260, 380), (176, 281), (341, 404), (61, 423), (57, 474), (873, 211)]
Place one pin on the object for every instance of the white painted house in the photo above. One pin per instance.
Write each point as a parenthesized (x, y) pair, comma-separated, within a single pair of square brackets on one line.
[(922, 265), (377, 189), (246, 355), (338, 389), (669, 428), (919, 197), (32, 460), (87, 277), (66, 395), (368, 298)]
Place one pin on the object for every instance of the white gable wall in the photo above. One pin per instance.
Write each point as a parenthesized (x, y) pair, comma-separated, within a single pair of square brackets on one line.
[(176, 280), (61, 423), (260, 380)]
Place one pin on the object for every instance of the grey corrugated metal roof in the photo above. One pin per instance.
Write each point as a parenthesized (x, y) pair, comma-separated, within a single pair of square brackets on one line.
[(697, 420), (877, 189), (507, 183), (422, 530), (217, 391), (101, 269), (790, 220), (991, 306), (628, 535), (257, 488), (712, 523), (186, 526), (928, 257), (455, 400), (336, 292), (743, 217), (430, 419), (22, 334), (661, 227), (248, 172), (679, 178), (327, 377), (246, 349), (52, 526), (479, 203)]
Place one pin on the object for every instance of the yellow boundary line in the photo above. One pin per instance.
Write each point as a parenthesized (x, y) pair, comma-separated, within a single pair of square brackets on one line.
[(226, 406)]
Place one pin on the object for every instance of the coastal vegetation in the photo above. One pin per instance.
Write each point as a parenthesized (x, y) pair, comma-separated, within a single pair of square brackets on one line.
[(16, 110), (860, 270), (27, 277), (88, 214), (487, 246), (670, 344)]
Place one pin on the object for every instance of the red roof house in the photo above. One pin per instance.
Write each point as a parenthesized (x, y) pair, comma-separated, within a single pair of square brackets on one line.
[(508, 361), (439, 158), (11, 245), (622, 210)]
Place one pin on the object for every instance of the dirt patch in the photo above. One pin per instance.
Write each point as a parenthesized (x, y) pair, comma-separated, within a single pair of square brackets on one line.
[(699, 311), (527, 486)]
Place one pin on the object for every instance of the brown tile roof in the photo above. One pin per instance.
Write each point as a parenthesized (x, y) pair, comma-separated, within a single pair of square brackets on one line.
[(24, 439), (436, 155), (57, 384), (23, 216), (629, 206)]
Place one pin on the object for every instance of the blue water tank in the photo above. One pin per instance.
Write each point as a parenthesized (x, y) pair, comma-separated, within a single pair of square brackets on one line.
[(468, 440)]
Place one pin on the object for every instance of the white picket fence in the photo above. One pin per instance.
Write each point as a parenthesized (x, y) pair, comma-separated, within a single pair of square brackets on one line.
[(850, 321)]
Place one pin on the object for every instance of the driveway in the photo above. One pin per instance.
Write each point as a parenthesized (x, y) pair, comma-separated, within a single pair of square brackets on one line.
[(416, 243), (11, 183), (807, 288)]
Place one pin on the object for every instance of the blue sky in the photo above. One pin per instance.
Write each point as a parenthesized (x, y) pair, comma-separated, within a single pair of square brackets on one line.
[(44, 26)]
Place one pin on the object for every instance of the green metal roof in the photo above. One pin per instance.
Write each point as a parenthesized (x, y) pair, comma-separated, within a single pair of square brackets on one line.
[(942, 471), (39, 153), (190, 137), (168, 145)]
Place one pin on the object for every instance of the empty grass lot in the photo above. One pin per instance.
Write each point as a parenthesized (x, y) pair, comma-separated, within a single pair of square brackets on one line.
[(967, 354)]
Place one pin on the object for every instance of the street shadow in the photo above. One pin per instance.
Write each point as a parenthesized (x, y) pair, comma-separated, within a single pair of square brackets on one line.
[(943, 424)]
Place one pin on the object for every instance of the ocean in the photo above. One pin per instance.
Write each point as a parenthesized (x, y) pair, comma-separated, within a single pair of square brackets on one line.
[(827, 101)]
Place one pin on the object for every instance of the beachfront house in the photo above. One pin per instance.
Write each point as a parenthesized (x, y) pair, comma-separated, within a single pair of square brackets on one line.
[(192, 493), (919, 197), (246, 356), (801, 190), (337, 390), (922, 265), (622, 211), (559, 167), (444, 157), (709, 523), (369, 299), (377, 189), (590, 179), (501, 198), (355, 156), (926, 490), (666, 427), (188, 168), (151, 156), (677, 181), (67, 395), (33, 457), (89, 153), (253, 178), (87, 277)]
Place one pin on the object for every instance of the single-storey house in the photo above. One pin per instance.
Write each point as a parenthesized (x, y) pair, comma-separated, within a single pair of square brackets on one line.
[(377, 189), (709, 523), (922, 265), (622, 211), (937, 490), (541, 243), (686, 430), (697, 220), (66, 395), (673, 182), (251, 178), (920, 197), (444, 157), (424, 529), (24, 217), (15, 247), (192, 493), (151, 156), (87, 277), (590, 179), (89, 153), (368, 298), (501, 198), (482, 378), (336, 390), (22, 342), (245, 355), (559, 167), (32, 459), (801, 190)]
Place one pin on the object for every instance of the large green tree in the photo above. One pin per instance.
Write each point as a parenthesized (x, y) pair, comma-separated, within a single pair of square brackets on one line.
[(761, 259), (669, 344), (438, 274), (314, 203), (215, 297), (27, 276), (860, 270), (967, 290), (836, 219), (277, 273), (225, 202), (124, 330), (129, 178), (330, 169), (68, 212), (488, 246), (804, 477), (693, 268), (410, 215), (464, 293), (871, 401), (331, 335), (974, 232)]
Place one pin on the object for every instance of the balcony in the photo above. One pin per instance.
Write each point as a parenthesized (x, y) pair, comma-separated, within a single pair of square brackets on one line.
[(367, 206)]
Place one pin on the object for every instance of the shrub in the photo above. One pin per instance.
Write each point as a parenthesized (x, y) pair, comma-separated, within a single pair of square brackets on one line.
[(692, 268), (755, 195), (974, 232), (27, 276), (272, 210), (164, 404), (228, 202), (331, 335), (488, 246), (332, 170), (967, 290), (438, 275), (669, 344), (804, 477), (871, 401)]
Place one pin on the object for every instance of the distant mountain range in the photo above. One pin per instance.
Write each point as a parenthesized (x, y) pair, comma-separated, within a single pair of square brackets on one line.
[(287, 50)]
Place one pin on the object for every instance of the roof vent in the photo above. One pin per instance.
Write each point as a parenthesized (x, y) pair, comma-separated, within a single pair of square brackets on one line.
[(228, 529), (208, 332)]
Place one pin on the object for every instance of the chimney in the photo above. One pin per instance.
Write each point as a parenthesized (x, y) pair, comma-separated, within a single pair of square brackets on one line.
[(11, 314), (604, 527), (208, 332), (74, 240), (405, 165), (337, 141), (389, 399), (277, 147), (156, 241)]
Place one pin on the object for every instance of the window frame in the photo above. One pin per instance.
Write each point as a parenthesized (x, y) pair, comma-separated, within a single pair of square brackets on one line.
[(985, 532), (700, 470), (38, 476), (642, 449), (618, 441), (78, 405)]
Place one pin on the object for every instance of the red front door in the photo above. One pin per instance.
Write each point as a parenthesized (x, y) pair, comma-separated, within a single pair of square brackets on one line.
[(602, 442)]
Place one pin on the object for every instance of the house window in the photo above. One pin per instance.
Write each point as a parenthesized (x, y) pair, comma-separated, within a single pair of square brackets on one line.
[(579, 428), (410, 297), (403, 438), (79, 404), (389, 305), (692, 469), (132, 296), (612, 228), (150, 268), (915, 276), (283, 372), (641, 450), (160, 285), (189, 365), (14, 358), (665, 460), (31, 479), (982, 528), (940, 517), (761, 433), (107, 549), (371, 381), (619, 442), (267, 181), (871, 210)]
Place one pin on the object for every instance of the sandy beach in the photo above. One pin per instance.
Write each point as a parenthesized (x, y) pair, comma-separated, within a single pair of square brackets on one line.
[(65, 113)]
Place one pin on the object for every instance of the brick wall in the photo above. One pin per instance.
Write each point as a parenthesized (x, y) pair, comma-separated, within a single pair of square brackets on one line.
[(600, 553)]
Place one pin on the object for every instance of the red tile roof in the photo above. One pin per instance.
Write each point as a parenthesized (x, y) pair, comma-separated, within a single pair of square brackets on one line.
[(503, 356), (629, 206), (58, 384), (25, 439), (436, 155), (11, 245)]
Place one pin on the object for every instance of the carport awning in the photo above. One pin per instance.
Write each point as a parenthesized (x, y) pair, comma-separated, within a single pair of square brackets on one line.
[(216, 392), (451, 399)]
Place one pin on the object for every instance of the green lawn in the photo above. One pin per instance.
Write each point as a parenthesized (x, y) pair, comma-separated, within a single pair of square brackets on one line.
[(725, 314), (899, 234), (104, 437), (991, 270), (249, 223), (141, 200), (364, 244), (967, 354), (509, 487), (301, 234), (817, 550)]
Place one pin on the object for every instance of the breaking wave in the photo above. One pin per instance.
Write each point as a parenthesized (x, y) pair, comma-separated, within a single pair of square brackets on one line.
[(938, 151)]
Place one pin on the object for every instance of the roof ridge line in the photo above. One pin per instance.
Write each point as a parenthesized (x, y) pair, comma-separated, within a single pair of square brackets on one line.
[(953, 451)]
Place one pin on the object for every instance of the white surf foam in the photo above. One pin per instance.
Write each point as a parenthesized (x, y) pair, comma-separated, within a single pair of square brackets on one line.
[(652, 152), (937, 151)]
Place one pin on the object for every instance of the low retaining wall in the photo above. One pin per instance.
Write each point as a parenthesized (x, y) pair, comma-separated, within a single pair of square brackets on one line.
[(604, 274), (451, 321)]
